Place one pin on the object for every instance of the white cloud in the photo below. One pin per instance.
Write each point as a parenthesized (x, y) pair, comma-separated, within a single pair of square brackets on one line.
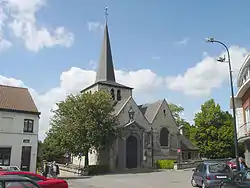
[(4, 44), (95, 26), (20, 16), (183, 41), (207, 74), (76, 79)]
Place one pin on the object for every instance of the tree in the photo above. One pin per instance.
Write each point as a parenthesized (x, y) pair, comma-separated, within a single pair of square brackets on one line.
[(214, 131), (39, 155), (83, 123), (51, 149), (176, 112)]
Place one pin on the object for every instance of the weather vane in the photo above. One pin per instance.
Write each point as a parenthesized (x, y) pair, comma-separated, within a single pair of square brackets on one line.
[(106, 13)]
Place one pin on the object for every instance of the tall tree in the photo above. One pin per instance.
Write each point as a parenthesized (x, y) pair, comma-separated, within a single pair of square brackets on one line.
[(84, 122), (214, 131), (176, 112)]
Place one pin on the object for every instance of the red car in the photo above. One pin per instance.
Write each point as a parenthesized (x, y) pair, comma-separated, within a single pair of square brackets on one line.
[(40, 180), (232, 163)]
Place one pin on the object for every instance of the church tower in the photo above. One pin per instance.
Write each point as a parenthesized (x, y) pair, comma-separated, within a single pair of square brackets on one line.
[(105, 74)]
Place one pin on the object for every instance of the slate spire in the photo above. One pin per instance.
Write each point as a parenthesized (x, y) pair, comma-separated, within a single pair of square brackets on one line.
[(105, 70)]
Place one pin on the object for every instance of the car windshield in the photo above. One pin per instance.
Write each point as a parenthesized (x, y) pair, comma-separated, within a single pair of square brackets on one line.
[(232, 161), (219, 168)]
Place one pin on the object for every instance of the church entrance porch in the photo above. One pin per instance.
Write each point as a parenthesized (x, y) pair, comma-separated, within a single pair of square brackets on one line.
[(131, 152)]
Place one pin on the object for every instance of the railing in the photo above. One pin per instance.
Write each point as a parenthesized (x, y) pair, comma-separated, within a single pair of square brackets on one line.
[(244, 130)]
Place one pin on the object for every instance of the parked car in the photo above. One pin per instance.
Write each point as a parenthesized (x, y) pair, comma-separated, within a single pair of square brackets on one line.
[(210, 174), (10, 168), (17, 182), (232, 163), (40, 180), (240, 180)]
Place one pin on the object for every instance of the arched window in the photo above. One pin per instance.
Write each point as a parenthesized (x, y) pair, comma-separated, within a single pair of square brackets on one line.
[(112, 92), (164, 134), (119, 95)]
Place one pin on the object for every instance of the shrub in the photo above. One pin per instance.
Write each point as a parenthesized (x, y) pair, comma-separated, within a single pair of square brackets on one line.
[(165, 164), (98, 169)]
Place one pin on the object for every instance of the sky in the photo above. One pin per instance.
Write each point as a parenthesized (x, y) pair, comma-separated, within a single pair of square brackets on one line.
[(159, 48)]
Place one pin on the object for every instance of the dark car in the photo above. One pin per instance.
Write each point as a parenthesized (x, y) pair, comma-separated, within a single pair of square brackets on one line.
[(241, 180), (211, 174), (17, 182)]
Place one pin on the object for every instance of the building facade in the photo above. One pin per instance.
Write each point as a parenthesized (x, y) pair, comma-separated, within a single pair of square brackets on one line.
[(242, 105), (19, 124), (138, 122)]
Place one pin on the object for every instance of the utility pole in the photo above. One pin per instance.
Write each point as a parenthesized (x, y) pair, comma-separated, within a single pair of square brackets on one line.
[(178, 148), (152, 146)]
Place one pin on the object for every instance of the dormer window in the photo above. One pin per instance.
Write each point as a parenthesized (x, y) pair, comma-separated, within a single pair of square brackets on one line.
[(119, 95), (112, 92)]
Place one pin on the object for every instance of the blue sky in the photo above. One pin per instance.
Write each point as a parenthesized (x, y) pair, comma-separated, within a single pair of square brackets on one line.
[(166, 38)]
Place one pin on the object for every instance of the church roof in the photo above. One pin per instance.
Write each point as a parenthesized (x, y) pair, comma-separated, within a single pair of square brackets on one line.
[(119, 105), (150, 110), (187, 144), (105, 71), (108, 83)]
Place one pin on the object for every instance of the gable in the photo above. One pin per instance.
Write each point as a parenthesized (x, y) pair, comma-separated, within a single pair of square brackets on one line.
[(150, 110), (165, 118), (123, 114), (133, 125)]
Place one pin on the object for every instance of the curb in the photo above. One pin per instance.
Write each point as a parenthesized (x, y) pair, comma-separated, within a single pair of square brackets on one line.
[(73, 177)]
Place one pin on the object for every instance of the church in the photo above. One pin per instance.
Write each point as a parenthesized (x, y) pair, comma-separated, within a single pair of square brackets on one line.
[(149, 131)]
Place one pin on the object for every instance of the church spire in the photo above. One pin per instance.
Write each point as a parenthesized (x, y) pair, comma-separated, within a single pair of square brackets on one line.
[(105, 71)]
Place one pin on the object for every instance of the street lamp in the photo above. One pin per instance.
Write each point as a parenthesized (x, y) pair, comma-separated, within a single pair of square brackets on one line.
[(223, 59), (152, 147), (179, 144)]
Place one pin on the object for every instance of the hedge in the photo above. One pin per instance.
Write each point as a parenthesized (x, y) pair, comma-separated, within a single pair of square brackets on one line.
[(98, 169), (165, 164)]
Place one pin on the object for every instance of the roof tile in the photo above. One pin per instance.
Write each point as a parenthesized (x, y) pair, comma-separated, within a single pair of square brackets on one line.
[(17, 99)]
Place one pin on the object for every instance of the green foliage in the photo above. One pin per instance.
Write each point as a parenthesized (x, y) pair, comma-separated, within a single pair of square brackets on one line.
[(98, 169), (176, 111), (214, 131), (165, 164), (51, 149), (84, 122), (39, 155)]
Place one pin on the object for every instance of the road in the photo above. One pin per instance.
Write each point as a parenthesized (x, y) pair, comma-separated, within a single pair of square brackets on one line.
[(173, 179)]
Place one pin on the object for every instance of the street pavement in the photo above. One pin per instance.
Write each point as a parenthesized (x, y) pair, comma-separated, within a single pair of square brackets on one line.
[(172, 179)]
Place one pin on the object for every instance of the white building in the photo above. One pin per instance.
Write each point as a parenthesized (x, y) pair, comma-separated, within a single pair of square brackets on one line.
[(19, 120), (242, 104)]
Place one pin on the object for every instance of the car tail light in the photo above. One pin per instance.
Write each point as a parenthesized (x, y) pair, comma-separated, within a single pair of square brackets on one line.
[(208, 177)]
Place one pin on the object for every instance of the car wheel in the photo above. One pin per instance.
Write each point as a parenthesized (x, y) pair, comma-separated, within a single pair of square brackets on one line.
[(203, 185), (193, 183)]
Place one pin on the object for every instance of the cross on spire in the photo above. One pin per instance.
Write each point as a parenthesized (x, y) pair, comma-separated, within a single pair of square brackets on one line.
[(106, 13)]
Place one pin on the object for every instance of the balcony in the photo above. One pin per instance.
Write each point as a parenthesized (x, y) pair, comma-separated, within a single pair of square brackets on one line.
[(244, 131)]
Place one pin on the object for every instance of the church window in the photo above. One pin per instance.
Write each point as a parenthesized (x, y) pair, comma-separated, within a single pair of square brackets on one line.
[(164, 111), (112, 92), (164, 134), (119, 95)]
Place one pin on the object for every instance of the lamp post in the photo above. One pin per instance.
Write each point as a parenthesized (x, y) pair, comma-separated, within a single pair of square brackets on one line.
[(179, 144), (152, 147), (212, 40)]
